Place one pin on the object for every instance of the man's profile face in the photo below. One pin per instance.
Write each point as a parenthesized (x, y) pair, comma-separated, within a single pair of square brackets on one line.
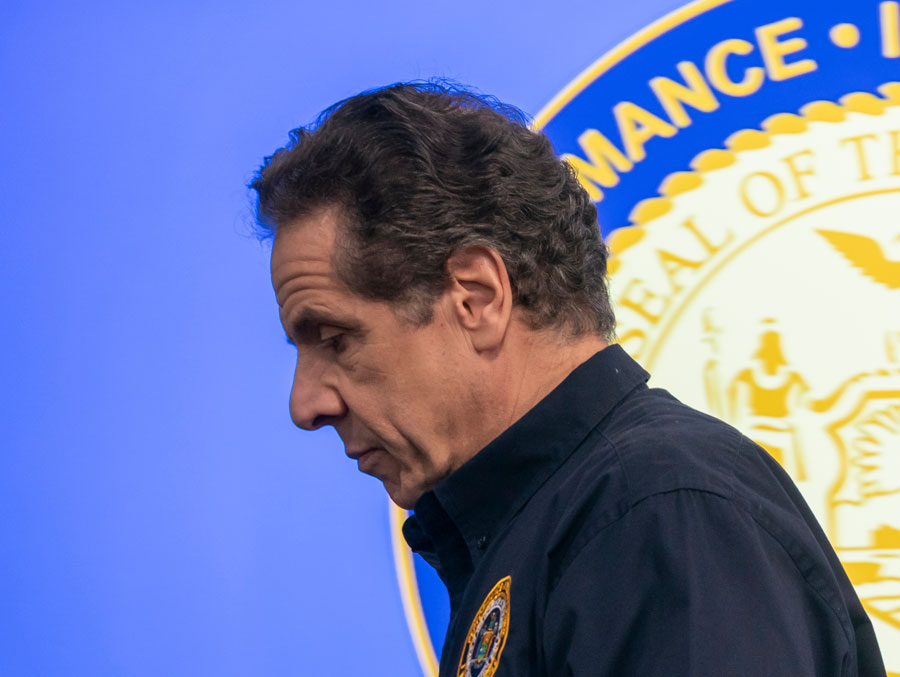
[(397, 394)]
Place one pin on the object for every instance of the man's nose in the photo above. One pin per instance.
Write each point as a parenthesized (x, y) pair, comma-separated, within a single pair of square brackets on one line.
[(314, 403)]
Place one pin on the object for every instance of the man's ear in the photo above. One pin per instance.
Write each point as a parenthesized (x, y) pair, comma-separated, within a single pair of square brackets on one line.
[(480, 295)]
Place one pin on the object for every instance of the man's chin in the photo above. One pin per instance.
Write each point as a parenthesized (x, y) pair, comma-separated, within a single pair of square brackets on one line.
[(380, 465), (403, 497)]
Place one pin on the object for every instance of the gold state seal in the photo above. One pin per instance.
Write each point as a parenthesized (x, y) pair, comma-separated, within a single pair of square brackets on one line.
[(763, 286)]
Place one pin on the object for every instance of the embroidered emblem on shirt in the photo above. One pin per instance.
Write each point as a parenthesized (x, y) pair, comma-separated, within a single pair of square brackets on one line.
[(487, 634)]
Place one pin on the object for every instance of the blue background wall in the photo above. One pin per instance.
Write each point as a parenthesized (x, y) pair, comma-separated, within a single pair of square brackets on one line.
[(158, 513)]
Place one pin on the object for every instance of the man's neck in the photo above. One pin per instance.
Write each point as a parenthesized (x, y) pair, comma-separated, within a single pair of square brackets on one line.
[(527, 368), (544, 361)]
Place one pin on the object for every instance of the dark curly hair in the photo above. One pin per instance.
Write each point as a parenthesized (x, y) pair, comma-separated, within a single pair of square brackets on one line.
[(420, 170)]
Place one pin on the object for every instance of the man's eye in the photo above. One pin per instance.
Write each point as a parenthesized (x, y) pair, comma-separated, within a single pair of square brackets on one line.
[(332, 338)]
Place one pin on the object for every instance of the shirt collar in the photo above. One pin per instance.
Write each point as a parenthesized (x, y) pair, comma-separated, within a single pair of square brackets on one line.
[(481, 496)]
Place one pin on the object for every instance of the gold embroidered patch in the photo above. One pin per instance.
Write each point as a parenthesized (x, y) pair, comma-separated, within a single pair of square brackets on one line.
[(487, 634)]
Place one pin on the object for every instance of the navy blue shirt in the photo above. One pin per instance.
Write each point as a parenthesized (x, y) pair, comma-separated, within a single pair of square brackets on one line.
[(613, 530)]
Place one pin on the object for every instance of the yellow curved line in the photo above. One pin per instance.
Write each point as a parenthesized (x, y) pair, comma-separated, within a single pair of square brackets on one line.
[(647, 210), (409, 594), (618, 53)]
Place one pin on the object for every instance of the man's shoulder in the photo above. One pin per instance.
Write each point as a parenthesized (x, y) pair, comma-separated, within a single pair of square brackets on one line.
[(664, 445), (649, 444)]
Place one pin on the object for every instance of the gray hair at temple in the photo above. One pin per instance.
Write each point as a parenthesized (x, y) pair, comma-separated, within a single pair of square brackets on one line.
[(420, 170)]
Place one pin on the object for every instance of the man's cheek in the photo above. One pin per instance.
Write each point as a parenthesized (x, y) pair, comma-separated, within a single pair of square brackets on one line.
[(366, 373)]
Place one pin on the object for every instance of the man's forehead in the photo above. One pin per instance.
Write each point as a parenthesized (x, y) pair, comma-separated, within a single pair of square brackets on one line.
[(303, 246)]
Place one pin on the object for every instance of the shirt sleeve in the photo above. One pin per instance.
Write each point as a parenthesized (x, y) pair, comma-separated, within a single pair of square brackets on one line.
[(689, 583)]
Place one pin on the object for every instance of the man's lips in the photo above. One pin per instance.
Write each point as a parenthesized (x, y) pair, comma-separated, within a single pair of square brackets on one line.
[(357, 454), (365, 458)]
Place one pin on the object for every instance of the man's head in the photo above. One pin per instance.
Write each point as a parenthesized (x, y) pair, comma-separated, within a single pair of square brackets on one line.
[(425, 239)]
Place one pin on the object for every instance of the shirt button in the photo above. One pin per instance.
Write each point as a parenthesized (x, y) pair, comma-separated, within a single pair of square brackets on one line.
[(481, 543)]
